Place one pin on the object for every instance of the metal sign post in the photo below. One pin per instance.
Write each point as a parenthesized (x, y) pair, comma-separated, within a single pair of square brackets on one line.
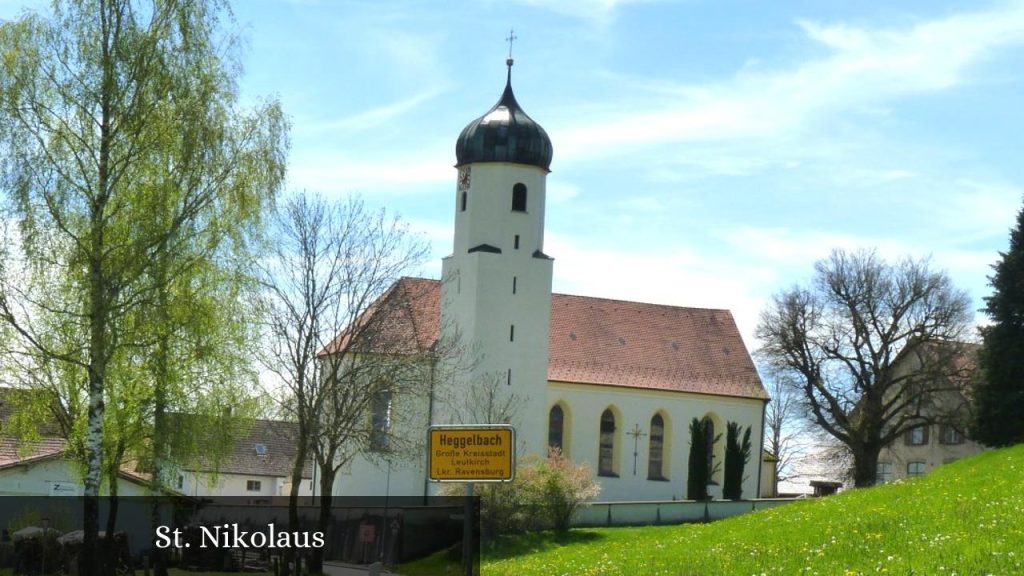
[(485, 453), (467, 532)]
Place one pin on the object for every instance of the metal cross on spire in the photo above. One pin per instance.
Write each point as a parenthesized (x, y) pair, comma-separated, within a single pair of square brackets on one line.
[(637, 435), (511, 38)]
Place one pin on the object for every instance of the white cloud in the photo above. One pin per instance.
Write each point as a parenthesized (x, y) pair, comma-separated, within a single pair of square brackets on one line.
[(597, 11), (560, 192), (678, 277), (333, 170), (862, 69), (371, 118)]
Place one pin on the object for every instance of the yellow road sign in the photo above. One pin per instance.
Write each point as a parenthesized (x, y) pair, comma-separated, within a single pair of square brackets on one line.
[(471, 453)]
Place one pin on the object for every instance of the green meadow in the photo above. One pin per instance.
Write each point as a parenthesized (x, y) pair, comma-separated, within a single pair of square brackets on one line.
[(963, 518)]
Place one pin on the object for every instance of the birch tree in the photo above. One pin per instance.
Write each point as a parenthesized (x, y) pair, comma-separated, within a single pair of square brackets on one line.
[(119, 142)]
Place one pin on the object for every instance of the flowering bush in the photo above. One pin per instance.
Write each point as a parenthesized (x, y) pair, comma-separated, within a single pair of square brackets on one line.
[(544, 495)]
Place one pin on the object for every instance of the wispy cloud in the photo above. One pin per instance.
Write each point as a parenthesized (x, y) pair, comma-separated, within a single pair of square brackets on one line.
[(597, 11), (862, 68), (371, 118)]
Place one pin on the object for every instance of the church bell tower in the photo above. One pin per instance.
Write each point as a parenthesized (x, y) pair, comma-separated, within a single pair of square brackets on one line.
[(496, 289)]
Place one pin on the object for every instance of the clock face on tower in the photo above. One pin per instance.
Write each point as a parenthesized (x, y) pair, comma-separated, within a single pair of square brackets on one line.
[(464, 178)]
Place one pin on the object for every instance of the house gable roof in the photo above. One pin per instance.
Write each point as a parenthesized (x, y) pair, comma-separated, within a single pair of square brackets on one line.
[(616, 342)]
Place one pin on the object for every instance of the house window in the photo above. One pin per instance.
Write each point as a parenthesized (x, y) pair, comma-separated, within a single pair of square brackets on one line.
[(556, 423), (884, 472), (380, 420), (915, 468), (253, 485), (656, 451), (950, 435), (917, 436), (519, 197), (606, 452)]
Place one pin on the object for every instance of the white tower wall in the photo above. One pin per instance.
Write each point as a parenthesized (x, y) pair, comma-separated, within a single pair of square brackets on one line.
[(498, 304)]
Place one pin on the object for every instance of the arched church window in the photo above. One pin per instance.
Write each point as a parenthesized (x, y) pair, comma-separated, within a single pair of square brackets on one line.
[(657, 447), (556, 423), (606, 453), (519, 197), (380, 420)]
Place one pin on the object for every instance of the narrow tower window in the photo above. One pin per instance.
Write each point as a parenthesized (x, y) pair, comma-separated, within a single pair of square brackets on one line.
[(508, 380), (462, 202), (512, 333), (513, 284), (519, 197), (516, 242)]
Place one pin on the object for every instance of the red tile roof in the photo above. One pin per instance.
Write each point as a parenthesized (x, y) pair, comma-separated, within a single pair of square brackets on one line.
[(638, 345), (404, 320), (268, 448), (15, 452), (615, 342), (278, 446)]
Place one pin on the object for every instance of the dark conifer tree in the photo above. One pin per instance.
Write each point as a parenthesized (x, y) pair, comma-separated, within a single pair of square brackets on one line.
[(999, 388), (737, 454), (699, 474)]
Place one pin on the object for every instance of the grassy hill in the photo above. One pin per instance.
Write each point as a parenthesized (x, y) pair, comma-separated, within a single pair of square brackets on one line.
[(963, 518)]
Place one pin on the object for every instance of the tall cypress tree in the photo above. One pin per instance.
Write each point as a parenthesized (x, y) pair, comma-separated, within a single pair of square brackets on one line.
[(999, 390), (698, 473), (737, 454)]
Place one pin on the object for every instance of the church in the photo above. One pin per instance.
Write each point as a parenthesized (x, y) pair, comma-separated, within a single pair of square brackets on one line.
[(614, 384)]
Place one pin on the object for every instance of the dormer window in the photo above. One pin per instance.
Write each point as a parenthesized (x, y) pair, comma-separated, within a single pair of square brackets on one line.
[(519, 197)]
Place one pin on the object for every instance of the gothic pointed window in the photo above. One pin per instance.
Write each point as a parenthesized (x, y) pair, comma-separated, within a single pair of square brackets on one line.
[(656, 451), (556, 424), (519, 197), (606, 452)]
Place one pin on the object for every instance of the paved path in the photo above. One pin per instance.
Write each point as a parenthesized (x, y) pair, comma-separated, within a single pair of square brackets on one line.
[(339, 569)]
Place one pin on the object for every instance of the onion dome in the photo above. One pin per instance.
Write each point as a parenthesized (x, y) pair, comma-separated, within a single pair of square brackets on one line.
[(504, 134)]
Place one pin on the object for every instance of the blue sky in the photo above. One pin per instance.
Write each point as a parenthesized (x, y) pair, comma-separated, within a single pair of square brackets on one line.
[(706, 153)]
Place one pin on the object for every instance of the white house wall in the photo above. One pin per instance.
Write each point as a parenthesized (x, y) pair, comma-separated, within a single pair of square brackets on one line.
[(201, 484), (55, 477)]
